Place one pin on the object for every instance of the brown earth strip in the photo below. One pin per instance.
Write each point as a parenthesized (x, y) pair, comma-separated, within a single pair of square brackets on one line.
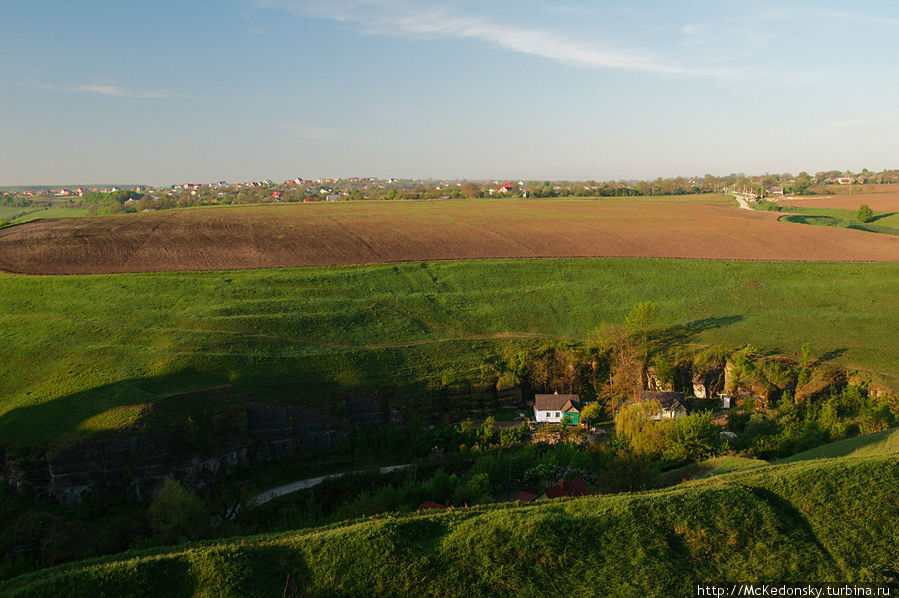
[(248, 237), (879, 202)]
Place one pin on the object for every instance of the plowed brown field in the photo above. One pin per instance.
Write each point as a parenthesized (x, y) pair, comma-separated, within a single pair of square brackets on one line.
[(363, 232), (879, 202)]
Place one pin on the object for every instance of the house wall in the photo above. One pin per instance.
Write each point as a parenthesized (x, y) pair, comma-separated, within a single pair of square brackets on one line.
[(554, 417), (547, 416)]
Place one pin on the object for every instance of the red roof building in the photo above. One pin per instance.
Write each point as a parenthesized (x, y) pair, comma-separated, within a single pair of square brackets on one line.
[(524, 496), (575, 487), (430, 505)]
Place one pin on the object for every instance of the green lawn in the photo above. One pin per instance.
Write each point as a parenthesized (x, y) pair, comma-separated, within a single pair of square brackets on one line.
[(20, 215), (91, 353), (708, 468), (884, 222), (866, 445), (832, 519)]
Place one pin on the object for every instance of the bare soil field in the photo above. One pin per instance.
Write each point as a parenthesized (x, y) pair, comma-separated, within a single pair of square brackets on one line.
[(879, 202), (267, 236)]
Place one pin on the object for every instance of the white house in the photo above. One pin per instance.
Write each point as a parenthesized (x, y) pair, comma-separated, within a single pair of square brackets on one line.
[(672, 403), (553, 408)]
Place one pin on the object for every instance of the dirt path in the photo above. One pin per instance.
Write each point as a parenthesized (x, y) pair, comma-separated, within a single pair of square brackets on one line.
[(742, 201), (273, 493)]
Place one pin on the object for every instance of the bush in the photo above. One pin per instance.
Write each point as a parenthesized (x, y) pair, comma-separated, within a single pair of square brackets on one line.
[(177, 514), (690, 438), (592, 414), (864, 214), (509, 437)]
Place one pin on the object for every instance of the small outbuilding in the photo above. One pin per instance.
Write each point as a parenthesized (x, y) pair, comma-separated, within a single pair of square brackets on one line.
[(525, 496), (575, 487), (673, 403), (556, 408)]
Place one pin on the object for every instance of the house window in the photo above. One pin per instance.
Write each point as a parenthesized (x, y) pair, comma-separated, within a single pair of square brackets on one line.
[(557, 414)]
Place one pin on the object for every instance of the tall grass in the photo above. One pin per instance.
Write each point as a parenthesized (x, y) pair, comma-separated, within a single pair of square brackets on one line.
[(832, 520)]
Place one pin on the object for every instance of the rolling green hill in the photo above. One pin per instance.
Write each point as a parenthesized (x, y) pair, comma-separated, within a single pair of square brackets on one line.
[(878, 443), (835, 519), (88, 354)]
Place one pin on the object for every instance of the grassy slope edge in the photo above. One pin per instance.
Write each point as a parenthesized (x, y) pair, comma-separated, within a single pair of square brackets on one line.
[(834, 519), (89, 354)]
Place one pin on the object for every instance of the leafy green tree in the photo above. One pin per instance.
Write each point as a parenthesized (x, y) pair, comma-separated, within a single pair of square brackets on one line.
[(639, 320), (634, 422), (487, 432), (864, 214), (690, 438), (592, 414), (177, 514)]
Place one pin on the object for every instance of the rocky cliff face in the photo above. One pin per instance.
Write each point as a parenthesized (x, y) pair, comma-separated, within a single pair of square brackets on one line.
[(707, 384), (135, 464)]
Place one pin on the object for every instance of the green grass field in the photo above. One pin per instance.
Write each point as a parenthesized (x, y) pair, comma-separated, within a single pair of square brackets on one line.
[(20, 215), (867, 445), (884, 222), (708, 468), (834, 520), (86, 354)]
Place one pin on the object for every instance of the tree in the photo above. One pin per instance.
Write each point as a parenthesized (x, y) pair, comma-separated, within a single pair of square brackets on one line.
[(177, 514), (638, 321), (634, 422), (470, 189), (592, 414), (864, 214)]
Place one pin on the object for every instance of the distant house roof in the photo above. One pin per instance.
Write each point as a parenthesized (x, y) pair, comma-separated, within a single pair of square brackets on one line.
[(430, 505), (524, 496), (575, 487), (668, 399), (557, 402)]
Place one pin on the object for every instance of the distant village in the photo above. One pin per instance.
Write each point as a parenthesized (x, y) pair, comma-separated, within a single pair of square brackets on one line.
[(300, 189)]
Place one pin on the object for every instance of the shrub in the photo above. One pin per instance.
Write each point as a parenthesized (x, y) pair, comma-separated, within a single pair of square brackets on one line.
[(177, 514), (592, 414), (690, 438), (509, 437), (864, 214)]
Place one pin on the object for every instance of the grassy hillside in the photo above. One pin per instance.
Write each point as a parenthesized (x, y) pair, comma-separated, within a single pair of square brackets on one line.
[(81, 355), (708, 468), (814, 520), (19, 214), (884, 222), (878, 443)]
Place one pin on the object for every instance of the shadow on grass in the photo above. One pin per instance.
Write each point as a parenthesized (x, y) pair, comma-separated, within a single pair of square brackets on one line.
[(685, 333), (793, 519), (814, 220), (207, 405), (832, 354), (884, 215)]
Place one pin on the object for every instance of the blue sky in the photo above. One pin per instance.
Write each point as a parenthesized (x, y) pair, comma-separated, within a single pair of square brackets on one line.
[(169, 91)]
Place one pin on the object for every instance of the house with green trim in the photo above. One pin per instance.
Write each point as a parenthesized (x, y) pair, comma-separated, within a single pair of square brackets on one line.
[(556, 408)]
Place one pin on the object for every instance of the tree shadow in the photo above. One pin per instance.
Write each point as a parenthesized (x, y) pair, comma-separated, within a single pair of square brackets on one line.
[(685, 333), (204, 408), (832, 354), (884, 215)]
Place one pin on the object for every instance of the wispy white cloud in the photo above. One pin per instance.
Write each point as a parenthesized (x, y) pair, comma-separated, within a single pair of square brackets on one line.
[(399, 18), (109, 91)]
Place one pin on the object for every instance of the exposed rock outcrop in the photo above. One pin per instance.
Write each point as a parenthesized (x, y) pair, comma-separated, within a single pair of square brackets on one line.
[(134, 465), (708, 384)]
